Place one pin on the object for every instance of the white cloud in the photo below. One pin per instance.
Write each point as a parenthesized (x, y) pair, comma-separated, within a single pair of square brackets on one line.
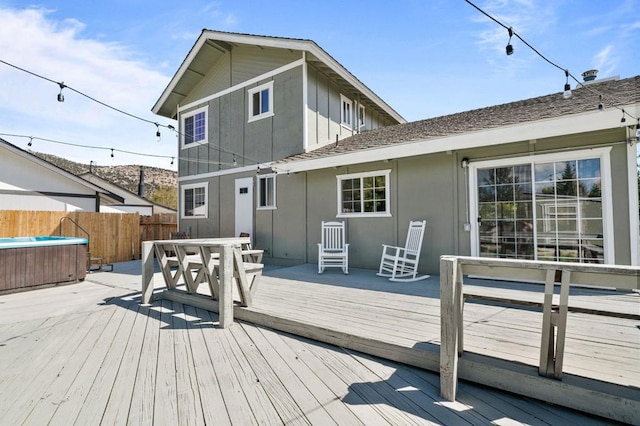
[(107, 71)]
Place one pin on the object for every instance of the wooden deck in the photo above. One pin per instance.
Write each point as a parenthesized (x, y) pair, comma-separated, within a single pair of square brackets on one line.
[(89, 353)]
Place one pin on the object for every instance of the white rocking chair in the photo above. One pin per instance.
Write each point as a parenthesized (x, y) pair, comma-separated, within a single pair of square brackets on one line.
[(401, 263), (333, 252)]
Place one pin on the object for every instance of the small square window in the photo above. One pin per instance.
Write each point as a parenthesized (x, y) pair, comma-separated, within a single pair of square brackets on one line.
[(261, 101)]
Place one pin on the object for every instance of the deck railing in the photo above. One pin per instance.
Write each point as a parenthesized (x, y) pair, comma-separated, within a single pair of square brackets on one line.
[(452, 296)]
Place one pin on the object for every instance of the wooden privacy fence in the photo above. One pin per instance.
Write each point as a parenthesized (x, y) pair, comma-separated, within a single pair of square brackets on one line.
[(114, 237), (158, 226)]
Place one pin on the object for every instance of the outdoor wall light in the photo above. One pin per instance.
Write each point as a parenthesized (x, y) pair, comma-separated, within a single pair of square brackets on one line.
[(464, 163)]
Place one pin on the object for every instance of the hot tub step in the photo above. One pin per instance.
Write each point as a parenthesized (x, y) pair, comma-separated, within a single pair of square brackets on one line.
[(96, 264)]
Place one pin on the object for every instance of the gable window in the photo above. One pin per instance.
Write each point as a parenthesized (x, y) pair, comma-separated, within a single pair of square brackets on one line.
[(194, 200), (261, 101), (346, 112), (194, 127), (267, 192), (364, 194), (361, 115)]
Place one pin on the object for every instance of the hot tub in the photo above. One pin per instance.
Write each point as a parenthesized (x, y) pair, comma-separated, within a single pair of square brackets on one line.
[(27, 262)]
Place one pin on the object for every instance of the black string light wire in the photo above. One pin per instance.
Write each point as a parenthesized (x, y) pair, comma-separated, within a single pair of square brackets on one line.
[(512, 33), (113, 150), (60, 98)]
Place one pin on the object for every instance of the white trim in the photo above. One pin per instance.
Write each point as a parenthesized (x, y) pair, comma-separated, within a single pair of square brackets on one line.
[(183, 116), (605, 179), (339, 178), (244, 84), (553, 127), (259, 192), (204, 185), (224, 172), (259, 89), (634, 225)]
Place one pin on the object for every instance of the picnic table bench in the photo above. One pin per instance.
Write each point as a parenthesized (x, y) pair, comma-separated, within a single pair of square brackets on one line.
[(220, 262)]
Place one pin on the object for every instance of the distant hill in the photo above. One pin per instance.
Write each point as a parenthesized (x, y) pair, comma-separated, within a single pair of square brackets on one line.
[(160, 184)]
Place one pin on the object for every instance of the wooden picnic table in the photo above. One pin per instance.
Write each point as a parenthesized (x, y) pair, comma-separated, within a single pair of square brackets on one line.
[(220, 262)]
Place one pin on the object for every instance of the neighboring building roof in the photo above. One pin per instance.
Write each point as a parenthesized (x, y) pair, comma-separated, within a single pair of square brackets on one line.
[(219, 43), (104, 194), (619, 93), (123, 192)]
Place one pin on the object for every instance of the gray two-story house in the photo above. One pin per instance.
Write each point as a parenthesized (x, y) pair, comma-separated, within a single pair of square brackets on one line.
[(243, 101)]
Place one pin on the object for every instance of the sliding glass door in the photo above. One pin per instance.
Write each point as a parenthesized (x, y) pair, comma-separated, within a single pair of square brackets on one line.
[(541, 210)]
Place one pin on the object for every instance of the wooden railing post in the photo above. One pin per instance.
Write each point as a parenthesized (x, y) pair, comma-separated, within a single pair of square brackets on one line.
[(226, 285), (147, 271), (449, 315)]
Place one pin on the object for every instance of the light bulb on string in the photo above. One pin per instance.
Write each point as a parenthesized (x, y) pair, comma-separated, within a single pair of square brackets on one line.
[(60, 95), (111, 152), (235, 163), (509, 48), (30, 141), (172, 161), (158, 135), (600, 104), (567, 87), (623, 119)]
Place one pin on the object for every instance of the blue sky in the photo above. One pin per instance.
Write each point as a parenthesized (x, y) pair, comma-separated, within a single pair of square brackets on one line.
[(424, 58)]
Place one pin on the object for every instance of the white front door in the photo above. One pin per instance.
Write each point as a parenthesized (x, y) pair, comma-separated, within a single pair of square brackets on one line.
[(244, 206)]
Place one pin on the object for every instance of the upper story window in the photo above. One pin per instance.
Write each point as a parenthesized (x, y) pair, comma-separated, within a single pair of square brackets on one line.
[(346, 112), (194, 127), (361, 117), (261, 101), (267, 192), (194, 203), (364, 194)]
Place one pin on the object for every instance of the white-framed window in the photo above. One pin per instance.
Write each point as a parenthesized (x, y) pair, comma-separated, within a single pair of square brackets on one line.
[(267, 192), (364, 194), (361, 117), (546, 207), (261, 101), (346, 111), (194, 201), (194, 127)]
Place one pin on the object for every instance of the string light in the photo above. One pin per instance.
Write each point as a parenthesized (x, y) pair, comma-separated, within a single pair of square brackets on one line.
[(158, 135), (172, 161), (623, 119), (509, 47), (60, 95), (111, 152), (30, 142), (567, 87), (567, 73), (63, 86)]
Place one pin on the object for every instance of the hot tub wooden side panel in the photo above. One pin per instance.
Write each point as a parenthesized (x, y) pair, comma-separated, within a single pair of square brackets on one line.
[(26, 267)]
